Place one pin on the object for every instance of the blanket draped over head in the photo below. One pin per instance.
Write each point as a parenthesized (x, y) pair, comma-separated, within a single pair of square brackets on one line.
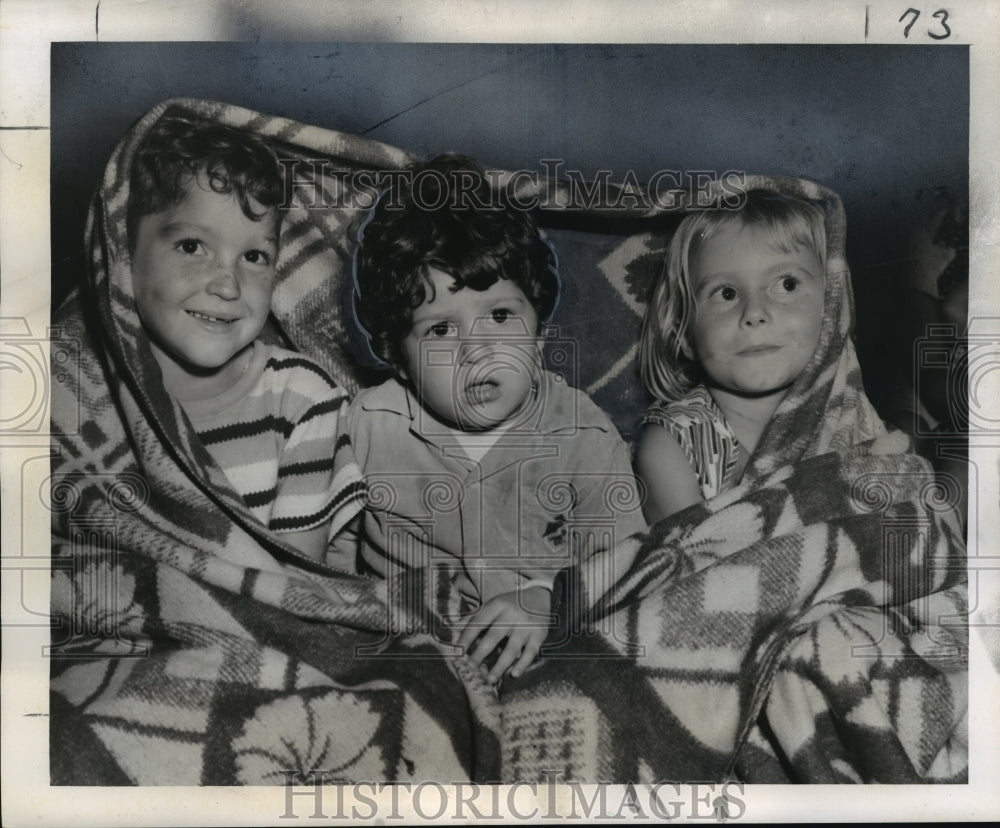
[(806, 626)]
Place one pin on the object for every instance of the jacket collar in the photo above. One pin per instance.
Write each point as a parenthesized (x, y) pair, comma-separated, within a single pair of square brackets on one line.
[(561, 409)]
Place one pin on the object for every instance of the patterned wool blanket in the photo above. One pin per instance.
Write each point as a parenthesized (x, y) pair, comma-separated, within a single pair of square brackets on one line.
[(807, 626)]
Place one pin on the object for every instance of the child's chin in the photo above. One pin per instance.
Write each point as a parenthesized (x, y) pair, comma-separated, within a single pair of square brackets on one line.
[(765, 389), (209, 365), (478, 422), (484, 417)]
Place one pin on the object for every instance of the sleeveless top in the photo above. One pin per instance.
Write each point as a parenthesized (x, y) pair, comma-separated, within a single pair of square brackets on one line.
[(708, 442)]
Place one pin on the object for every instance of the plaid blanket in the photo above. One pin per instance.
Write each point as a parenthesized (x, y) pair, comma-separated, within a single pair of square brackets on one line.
[(807, 626)]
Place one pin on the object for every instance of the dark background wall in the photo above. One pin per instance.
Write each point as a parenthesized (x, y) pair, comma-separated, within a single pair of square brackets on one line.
[(884, 126)]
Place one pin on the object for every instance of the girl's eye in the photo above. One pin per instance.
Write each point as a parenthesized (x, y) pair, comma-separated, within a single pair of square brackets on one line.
[(500, 315), (189, 246), (726, 294), (257, 257), (789, 283)]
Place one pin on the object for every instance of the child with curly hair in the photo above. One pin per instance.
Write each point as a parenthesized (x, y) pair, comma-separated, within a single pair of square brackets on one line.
[(203, 222), (525, 473)]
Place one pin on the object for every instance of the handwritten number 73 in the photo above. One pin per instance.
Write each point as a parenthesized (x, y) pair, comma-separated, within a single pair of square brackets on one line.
[(915, 13)]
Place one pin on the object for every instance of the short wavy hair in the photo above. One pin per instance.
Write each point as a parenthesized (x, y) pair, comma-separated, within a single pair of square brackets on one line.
[(666, 353), (180, 146), (444, 214)]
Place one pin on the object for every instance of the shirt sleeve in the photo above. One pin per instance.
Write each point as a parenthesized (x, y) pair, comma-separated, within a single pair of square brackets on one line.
[(613, 494), (318, 478)]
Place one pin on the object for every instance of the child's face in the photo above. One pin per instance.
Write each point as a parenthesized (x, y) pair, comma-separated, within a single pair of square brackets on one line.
[(759, 311), (203, 274), (472, 356)]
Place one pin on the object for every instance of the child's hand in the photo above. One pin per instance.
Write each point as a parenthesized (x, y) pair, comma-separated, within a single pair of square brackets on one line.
[(522, 618)]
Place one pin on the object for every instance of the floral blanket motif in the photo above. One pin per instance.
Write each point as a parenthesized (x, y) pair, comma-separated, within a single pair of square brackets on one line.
[(807, 626)]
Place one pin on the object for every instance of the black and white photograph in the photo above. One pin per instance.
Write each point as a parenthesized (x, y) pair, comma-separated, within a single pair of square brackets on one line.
[(461, 411)]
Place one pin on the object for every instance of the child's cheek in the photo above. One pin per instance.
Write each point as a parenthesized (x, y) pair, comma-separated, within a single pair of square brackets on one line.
[(710, 338), (145, 294)]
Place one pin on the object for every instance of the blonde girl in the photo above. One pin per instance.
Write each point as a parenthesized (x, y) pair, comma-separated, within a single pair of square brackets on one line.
[(731, 324)]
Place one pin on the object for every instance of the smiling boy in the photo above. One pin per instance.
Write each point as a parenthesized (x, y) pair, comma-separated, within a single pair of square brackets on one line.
[(203, 222)]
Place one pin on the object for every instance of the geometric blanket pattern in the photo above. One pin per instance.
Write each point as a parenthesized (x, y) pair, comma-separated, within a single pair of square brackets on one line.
[(806, 626)]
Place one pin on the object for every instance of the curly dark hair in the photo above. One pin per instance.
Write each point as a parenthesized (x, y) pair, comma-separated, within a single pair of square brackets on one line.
[(179, 146), (444, 214)]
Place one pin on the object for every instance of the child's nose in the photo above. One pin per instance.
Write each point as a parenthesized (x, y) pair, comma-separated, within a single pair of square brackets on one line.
[(755, 311), (224, 283), (474, 349)]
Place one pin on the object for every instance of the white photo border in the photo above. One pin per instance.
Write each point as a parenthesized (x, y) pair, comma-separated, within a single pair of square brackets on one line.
[(29, 27)]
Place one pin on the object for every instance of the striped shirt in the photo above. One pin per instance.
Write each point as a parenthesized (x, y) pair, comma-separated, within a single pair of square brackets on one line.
[(278, 435), (701, 430)]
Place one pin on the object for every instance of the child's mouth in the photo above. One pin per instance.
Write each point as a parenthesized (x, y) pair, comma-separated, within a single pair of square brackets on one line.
[(480, 393), (759, 349), (217, 320)]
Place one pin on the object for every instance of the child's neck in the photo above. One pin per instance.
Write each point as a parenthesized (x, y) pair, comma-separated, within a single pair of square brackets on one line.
[(747, 416), (187, 385)]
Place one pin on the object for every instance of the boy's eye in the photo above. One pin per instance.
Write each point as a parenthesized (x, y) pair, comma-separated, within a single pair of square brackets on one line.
[(257, 257), (500, 315), (440, 329), (189, 246)]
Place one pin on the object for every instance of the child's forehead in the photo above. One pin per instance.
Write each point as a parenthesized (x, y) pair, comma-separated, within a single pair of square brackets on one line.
[(198, 198), (740, 248), (735, 234), (444, 291)]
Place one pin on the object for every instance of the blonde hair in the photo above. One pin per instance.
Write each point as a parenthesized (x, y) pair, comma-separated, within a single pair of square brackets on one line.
[(666, 357)]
